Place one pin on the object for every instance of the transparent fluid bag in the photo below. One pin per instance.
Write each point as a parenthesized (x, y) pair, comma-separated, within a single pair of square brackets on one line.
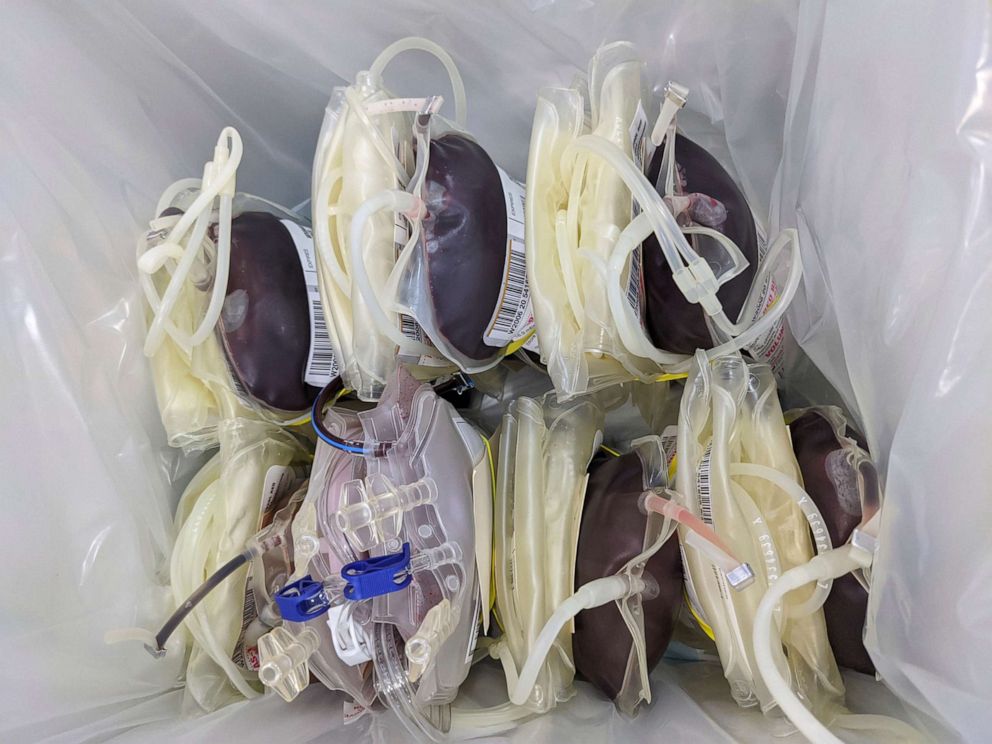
[(610, 308), (737, 472), (236, 326), (419, 233), (387, 543), (230, 522)]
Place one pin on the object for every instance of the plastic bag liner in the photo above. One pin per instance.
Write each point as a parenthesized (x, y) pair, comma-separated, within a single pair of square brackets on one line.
[(867, 126)]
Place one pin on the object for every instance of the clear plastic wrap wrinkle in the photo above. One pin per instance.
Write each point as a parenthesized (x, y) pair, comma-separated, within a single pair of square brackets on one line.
[(864, 126)]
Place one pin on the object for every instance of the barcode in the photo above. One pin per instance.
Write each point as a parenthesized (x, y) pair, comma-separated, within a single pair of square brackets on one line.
[(322, 366), (512, 316), (248, 613), (634, 281), (411, 328), (669, 443), (703, 487), (638, 147), (514, 295)]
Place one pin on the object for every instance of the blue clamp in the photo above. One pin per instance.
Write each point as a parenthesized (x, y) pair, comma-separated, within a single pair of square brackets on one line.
[(377, 576), (302, 600)]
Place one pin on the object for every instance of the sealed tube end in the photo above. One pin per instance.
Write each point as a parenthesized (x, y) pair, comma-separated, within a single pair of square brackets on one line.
[(651, 589), (864, 543), (157, 653), (741, 577), (676, 93), (643, 501)]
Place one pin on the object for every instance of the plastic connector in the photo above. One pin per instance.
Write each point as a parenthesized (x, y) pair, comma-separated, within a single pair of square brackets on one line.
[(707, 285), (374, 509), (306, 543), (423, 646), (284, 660), (699, 285), (431, 106)]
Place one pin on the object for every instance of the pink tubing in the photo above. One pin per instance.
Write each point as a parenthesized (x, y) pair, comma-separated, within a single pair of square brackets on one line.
[(668, 508)]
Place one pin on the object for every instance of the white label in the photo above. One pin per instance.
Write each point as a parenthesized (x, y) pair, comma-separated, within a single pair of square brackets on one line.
[(635, 281), (532, 344), (639, 145), (322, 366), (513, 317), (703, 487), (769, 347), (353, 711), (704, 500), (246, 655), (669, 444), (279, 481), (472, 640)]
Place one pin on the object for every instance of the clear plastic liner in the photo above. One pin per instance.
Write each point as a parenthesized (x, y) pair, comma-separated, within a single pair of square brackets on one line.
[(884, 175), (185, 283), (577, 208)]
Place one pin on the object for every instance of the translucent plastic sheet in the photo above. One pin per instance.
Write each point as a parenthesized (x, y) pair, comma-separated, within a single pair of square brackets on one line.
[(864, 125)]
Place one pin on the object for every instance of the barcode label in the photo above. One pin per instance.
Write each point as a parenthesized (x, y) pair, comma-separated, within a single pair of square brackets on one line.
[(638, 148), (514, 300), (770, 347), (639, 144), (512, 318), (669, 443), (322, 365), (635, 281), (246, 657), (411, 328), (352, 711), (472, 640), (280, 481), (703, 487)]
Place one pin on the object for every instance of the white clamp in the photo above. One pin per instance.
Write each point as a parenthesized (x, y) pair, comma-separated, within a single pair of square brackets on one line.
[(349, 642)]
